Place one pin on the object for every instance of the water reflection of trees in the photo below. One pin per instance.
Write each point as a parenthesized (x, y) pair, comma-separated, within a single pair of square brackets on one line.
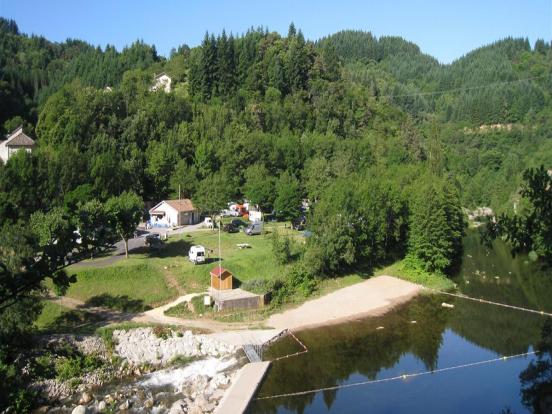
[(519, 282), (536, 379), (354, 348), (502, 330)]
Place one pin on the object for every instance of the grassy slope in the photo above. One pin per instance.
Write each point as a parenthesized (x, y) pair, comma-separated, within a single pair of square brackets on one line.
[(430, 280), (143, 276), (133, 278)]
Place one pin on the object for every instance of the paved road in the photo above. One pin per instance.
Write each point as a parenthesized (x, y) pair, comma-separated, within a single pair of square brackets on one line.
[(136, 244)]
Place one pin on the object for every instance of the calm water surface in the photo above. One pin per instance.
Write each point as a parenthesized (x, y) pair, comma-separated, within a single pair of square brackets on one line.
[(439, 338)]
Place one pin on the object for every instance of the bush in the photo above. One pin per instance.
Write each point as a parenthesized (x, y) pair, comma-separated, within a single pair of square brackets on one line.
[(414, 270), (299, 281), (302, 280), (161, 332), (281, 247), (199, 305), (179, 310), (258, 286), (74, 366)]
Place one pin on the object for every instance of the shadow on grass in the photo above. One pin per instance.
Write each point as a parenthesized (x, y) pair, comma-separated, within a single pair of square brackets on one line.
[(121, 303), (172, 249), (75, 321)]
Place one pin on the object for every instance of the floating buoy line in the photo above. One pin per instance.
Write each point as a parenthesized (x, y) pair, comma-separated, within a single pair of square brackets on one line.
[(398, 377), (489, 302), (415, 374)]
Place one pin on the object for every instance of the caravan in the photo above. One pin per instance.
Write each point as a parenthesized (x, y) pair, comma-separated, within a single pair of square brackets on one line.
[(254, 228), (197, 254)]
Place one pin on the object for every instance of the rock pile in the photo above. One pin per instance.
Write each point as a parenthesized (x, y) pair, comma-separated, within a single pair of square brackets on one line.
[(141, 345)]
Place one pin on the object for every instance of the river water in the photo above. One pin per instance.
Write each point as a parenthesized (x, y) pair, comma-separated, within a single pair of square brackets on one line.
[(424, 336)]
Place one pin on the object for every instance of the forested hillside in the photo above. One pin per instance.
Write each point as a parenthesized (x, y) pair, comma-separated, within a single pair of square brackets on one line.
[(386, 143)]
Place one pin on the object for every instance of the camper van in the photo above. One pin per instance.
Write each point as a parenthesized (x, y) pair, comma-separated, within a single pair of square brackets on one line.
[(254, 228), (197, 254), (255, 216)]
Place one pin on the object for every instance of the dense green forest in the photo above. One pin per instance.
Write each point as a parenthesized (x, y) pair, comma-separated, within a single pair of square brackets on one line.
[(385, 142)]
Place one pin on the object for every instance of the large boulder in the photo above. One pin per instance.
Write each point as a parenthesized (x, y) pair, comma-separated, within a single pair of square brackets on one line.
[(178, 407), (79, 409)]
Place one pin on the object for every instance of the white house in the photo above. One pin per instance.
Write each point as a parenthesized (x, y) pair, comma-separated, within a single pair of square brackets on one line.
[(172, 213), (161, 81), (14, 142)]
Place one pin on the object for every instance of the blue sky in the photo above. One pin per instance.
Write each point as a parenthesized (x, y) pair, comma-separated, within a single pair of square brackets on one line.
[(446, 29)]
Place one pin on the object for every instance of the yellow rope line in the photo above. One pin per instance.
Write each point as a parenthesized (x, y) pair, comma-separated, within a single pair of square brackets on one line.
[(305, 349), (462, 296), (398, 377)]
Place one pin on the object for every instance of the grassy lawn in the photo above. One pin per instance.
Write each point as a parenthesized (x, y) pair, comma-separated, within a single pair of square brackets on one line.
[(147, 279), (50, 312), (59, 319), (256, 262), (128, 285)]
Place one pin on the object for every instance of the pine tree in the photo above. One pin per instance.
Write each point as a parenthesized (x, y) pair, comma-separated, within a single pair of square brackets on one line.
[(291, 30), (430, 240), (208, 67), (226, 65)]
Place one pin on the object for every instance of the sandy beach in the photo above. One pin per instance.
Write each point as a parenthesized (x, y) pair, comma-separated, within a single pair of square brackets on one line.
[(372, 297)]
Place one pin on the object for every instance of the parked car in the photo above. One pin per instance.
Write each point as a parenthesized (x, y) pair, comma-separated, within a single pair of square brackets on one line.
[(152, 236), (299, 223), (237, 223), (154, 243), (254, 228), (196, 255), (230, 228)]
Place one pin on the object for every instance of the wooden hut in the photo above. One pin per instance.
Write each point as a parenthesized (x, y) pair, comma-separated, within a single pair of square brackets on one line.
[(221, 279)]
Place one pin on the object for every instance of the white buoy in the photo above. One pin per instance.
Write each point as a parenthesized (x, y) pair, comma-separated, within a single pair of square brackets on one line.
[(447, 305)]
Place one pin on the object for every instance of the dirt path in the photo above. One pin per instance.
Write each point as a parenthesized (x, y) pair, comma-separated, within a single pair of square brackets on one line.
[(369, 298), (172, 281)]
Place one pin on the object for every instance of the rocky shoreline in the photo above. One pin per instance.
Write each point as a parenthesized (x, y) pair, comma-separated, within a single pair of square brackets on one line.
[(144, 370)]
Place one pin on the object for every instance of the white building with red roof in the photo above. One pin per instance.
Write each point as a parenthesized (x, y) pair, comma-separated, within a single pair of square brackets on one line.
[(173, 213)]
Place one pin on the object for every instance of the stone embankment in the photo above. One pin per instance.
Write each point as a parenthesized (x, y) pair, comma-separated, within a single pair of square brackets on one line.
[(164, 372), (143, 346)]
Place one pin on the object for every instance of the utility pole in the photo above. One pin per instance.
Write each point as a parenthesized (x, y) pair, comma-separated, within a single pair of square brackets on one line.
[(220, 255)]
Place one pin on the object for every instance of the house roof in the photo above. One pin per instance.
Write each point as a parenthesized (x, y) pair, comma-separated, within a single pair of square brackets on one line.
[(160, 75), (219, 271), (19, 139), (182, 205)]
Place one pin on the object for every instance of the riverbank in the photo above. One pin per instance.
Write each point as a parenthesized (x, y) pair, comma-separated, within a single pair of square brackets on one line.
[(372, 297)]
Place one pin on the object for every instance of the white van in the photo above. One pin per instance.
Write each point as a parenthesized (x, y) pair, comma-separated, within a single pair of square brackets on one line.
[(208, 222), (255, 216), (254, 228), (197, 254)]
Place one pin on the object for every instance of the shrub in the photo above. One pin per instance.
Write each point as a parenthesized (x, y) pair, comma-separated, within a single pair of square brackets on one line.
[(302, 280), (179, 310), (299, 281), (74, 366), (281, 248), (258, 286), (161, 332), (199, 305)]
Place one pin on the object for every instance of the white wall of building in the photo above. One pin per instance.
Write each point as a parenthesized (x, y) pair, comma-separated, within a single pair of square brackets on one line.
[(7, 152)]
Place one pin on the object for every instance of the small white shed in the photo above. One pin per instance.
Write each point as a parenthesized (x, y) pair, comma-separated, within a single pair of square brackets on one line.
[(172, 213)]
